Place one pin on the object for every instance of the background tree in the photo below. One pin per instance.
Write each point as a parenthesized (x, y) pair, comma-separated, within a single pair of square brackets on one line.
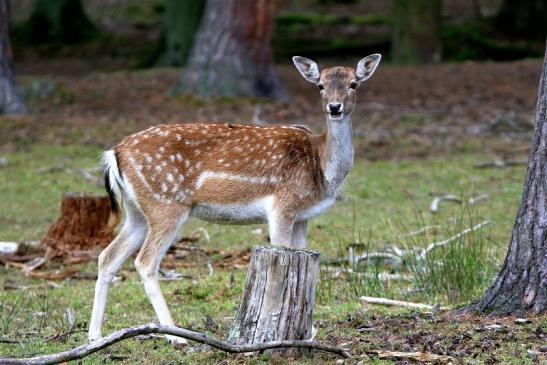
[(181, 23), (58, 21), (416, 31), (521, 285), (232, 54), (182, 18), (10, 99), (523, 18)]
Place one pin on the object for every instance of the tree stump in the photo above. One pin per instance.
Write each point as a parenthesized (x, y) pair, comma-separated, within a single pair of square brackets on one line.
[(83, 225), (278, 298)]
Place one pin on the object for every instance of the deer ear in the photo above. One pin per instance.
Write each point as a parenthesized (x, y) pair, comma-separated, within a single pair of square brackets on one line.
[(367, 66), (307, 68)]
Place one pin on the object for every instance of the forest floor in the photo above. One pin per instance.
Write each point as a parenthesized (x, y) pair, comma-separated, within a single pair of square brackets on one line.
[(419, 134)]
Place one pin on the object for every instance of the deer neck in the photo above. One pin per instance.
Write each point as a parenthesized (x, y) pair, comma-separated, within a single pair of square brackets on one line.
[(337, 156)]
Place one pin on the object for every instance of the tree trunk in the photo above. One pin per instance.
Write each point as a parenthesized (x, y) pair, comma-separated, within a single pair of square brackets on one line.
[(278, 298), (416, 31), (10, 99), (83, 225), (182, 18), (181, 23), (59, 21), (523, 18), (232, 55), (521, 285)]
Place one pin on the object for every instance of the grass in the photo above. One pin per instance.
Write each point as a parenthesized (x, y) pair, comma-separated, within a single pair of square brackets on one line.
[(381, 201)]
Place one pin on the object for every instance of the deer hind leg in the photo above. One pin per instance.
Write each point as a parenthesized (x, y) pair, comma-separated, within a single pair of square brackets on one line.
[(299, 231), (162, 229), (111, 259)]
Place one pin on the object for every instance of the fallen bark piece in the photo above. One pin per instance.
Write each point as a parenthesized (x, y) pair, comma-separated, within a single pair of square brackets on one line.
[(34, 264), (398, 303), (416, 356), (52, 275), (87, 349)]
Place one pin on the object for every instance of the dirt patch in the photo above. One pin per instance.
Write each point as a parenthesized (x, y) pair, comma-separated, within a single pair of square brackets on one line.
[(466, 339)]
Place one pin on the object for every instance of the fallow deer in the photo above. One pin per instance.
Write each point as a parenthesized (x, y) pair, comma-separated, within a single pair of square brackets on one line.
[(225, 173)]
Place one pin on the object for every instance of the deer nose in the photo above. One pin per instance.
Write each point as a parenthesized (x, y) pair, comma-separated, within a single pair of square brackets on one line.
[(335, 107)]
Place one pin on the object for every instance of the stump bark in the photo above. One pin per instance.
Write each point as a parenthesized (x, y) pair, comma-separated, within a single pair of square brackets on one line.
[(83, 225), (278, 298)]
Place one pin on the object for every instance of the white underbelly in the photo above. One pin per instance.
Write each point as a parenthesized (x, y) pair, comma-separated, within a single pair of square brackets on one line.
[(248, 213)]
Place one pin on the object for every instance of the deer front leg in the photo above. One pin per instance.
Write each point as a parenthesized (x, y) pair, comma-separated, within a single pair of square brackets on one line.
[(280, 226), (299, 232)]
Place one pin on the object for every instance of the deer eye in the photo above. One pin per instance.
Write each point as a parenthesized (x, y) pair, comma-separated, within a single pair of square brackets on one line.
[(353, 85), (321, 87)]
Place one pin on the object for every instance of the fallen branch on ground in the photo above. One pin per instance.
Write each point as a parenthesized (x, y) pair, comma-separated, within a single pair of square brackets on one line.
[(434, 245), (399, 303), (84, 350), (434, 208), (500, 163), (416, 356), (401, 256), (382, 276), (420, 231)]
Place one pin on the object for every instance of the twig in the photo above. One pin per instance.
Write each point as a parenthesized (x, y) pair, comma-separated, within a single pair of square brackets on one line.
[(453, 198), (435, 245), (439, 199), (377, 255), (382, 276), (499, 163), (7, 340), (419, 231), (63, 336), (477, 199), (399, 303), (84, 350)]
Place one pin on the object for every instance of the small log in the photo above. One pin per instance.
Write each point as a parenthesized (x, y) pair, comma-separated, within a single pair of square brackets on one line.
[(278, 298), (83, 225)]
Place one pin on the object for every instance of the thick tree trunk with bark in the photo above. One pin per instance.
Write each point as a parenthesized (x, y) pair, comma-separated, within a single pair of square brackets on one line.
[(232, 54), (416, 31), (278, 298), (59, 21), (83, 225), (521, 285), (10, 99)]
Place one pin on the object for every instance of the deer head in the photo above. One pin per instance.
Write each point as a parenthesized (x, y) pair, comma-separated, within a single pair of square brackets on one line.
[(337, 85)]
